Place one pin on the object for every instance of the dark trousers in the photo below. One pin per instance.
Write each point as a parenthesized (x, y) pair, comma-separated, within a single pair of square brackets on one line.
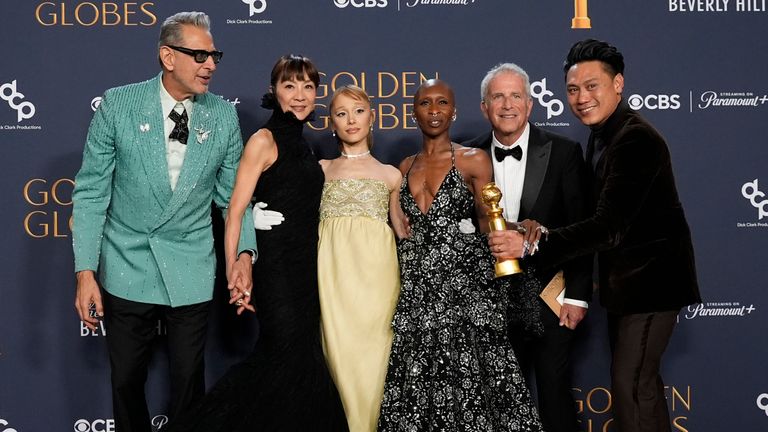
[(131, 329), (637, 343), (547, 358)]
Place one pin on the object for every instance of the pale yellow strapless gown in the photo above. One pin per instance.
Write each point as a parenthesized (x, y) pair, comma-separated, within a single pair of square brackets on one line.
[(359, 283)]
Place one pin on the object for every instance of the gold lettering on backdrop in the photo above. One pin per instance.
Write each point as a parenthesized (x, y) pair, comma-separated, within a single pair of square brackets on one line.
[(677, 397), (46, 222), (40, 224), (580, 15), (28, 226), (595, 406), (55, 194), (88, 14), (43, 195), (148, 13), (322, 120), (391, 95), (393, 84), (48, 15), (606, 403), (676, 423), (78, 14)]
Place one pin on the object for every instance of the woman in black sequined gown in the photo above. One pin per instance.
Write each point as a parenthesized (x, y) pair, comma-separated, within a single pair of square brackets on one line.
[(452, 367), (284, 385)]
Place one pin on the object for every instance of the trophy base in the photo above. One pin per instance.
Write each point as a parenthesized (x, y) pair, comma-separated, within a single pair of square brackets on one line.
[(581, 23), (507, 267)]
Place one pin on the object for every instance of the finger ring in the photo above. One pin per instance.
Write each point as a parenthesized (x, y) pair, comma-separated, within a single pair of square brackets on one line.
[(247, 293), (239, 302), (543, 229)]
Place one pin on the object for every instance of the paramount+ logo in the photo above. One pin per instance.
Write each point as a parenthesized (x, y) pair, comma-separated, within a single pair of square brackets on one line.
[(360, 3), (92, 13), (654, 102)]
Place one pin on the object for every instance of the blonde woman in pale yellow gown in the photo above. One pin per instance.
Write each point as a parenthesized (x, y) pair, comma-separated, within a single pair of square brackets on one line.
[(358, 274)]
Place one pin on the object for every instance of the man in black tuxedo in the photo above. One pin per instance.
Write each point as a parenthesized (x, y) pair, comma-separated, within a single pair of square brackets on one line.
[(542, 176), (645, 255)]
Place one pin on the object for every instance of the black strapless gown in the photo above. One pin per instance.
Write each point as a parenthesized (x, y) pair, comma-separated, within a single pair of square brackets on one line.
[(284, 384)]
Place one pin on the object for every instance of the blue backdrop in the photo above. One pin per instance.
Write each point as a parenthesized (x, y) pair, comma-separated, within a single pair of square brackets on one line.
[(696, 69)]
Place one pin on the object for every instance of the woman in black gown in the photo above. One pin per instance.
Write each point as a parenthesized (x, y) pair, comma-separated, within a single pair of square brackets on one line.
[(284, 384), (451, 367)]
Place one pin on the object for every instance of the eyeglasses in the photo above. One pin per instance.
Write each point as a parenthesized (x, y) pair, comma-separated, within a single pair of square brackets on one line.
[(200, 56)]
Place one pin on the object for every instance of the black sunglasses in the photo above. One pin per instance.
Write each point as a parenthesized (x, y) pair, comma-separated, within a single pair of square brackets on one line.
[(200, 56)]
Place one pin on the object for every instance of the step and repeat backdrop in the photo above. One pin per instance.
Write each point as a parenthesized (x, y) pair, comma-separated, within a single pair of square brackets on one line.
[(696, 68)]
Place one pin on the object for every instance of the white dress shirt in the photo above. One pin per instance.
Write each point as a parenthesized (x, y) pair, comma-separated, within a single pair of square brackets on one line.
[(174, 150), (509, 175)]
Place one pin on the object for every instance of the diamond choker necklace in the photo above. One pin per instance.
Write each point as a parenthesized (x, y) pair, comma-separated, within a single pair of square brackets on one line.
[(355, 156)]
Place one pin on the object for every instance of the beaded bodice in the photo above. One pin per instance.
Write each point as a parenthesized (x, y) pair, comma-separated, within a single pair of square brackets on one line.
[(355, 197)]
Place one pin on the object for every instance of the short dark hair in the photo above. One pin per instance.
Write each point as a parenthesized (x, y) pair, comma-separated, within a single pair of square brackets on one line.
[(294, 66), (592, 49)]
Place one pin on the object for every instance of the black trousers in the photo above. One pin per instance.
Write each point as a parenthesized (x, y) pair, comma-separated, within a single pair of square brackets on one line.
[(547, 358), (638, 342), (131, 329)]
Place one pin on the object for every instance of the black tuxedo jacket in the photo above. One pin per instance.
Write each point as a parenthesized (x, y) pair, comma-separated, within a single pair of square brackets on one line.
[(554, 194), (645, 253)]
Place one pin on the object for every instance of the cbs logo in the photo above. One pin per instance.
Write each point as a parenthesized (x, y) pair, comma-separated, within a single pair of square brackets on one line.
[(95, 102), (360, 3), (654, 102), (98, 425)]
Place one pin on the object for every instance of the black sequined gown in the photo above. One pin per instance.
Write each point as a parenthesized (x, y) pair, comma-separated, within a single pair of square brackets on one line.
[(284, 385), (451, 367)]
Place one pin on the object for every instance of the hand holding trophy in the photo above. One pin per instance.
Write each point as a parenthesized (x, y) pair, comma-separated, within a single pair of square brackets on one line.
[(491, 195)]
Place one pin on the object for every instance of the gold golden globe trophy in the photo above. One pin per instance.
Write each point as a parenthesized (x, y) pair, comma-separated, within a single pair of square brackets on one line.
[(491, 195), (580, 17)]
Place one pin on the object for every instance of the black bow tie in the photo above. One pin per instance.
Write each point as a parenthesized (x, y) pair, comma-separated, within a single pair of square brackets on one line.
[(500, 153), (180, 131)]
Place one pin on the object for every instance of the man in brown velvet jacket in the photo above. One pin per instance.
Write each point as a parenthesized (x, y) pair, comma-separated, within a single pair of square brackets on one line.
[(645, 256)]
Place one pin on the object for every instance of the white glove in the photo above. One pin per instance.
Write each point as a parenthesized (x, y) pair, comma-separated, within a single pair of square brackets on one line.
[(466, 227), (265, 219)]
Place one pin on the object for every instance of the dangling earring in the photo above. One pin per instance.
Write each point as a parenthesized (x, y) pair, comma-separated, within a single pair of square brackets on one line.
[(333, 132), (454, 117), (371, 127)]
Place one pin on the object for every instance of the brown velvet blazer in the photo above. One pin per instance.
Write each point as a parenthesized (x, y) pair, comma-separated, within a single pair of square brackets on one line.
[(638, 227)]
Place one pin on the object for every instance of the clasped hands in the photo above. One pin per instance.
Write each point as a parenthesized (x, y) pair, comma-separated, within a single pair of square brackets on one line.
[(521, 239), (240, 283)]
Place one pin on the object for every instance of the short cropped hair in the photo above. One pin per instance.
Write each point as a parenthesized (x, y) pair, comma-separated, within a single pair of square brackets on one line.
[(504, 68), (170, 31), (592, 49)]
